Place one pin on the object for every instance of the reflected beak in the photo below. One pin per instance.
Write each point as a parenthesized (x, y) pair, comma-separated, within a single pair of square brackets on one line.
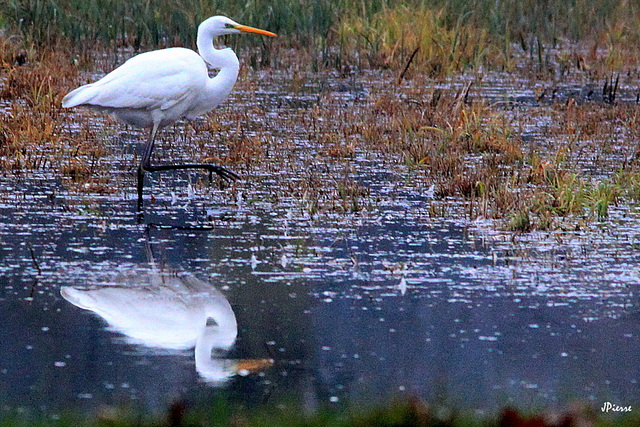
[(249, 366), (248, 29)]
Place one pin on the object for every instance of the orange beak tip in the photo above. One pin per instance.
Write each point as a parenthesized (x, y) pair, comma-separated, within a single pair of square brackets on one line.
[(248, 29)]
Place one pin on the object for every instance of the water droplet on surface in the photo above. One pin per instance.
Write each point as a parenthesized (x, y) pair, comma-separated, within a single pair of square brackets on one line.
[(403, 286)]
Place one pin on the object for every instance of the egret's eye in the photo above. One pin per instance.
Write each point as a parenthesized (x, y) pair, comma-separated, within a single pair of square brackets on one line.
[(229, 26)]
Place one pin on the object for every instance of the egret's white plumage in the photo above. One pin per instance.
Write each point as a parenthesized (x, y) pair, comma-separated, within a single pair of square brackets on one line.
[(154, 89)]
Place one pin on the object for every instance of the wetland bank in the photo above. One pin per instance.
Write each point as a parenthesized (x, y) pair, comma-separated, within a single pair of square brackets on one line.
[(437, 204)]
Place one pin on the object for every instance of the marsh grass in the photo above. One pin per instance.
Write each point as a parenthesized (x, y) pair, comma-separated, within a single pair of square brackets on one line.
[(447, 35), (32, 125), (422, 39)]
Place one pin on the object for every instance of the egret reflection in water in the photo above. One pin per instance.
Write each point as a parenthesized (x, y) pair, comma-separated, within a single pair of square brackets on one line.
[(169, 310)]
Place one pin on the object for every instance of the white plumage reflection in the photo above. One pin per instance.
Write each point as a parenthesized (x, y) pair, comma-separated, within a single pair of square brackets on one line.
[(154, 89), (169, 310)]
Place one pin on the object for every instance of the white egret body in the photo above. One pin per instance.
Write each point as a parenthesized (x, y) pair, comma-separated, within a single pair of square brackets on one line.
[(154, 89)]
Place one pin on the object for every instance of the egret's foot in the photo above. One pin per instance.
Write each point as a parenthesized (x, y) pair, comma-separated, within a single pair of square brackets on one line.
[(223, 173)]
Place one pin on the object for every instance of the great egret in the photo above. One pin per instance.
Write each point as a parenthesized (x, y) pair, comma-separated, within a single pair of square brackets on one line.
[(154, 89)]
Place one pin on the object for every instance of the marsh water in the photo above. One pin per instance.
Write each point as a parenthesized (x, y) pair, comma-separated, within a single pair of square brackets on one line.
[(249, 296)]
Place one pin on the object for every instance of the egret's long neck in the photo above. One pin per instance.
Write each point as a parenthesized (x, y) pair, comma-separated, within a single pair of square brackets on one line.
[(225, 60)]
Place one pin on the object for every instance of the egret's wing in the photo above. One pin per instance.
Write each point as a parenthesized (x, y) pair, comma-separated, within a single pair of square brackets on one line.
[(150, 81)]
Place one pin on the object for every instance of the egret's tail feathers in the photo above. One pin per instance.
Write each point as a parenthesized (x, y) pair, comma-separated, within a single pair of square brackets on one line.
[(77, 297), (79, 96)]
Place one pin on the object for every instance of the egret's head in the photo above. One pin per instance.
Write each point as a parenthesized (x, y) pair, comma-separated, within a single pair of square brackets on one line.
[(220, 25)]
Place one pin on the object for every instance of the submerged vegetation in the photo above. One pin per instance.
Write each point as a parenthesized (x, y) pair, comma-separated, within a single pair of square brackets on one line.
[(417, 70)]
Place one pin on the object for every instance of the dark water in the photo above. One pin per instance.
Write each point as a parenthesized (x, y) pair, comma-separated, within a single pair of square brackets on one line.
[(353, 308)]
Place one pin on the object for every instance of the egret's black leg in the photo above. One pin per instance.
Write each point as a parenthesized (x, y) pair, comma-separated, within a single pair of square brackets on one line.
[(140, 185), (145, 162), (146, 166)]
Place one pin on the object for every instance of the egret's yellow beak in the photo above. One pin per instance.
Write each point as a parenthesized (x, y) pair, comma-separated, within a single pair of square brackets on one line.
[(248, 29)]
